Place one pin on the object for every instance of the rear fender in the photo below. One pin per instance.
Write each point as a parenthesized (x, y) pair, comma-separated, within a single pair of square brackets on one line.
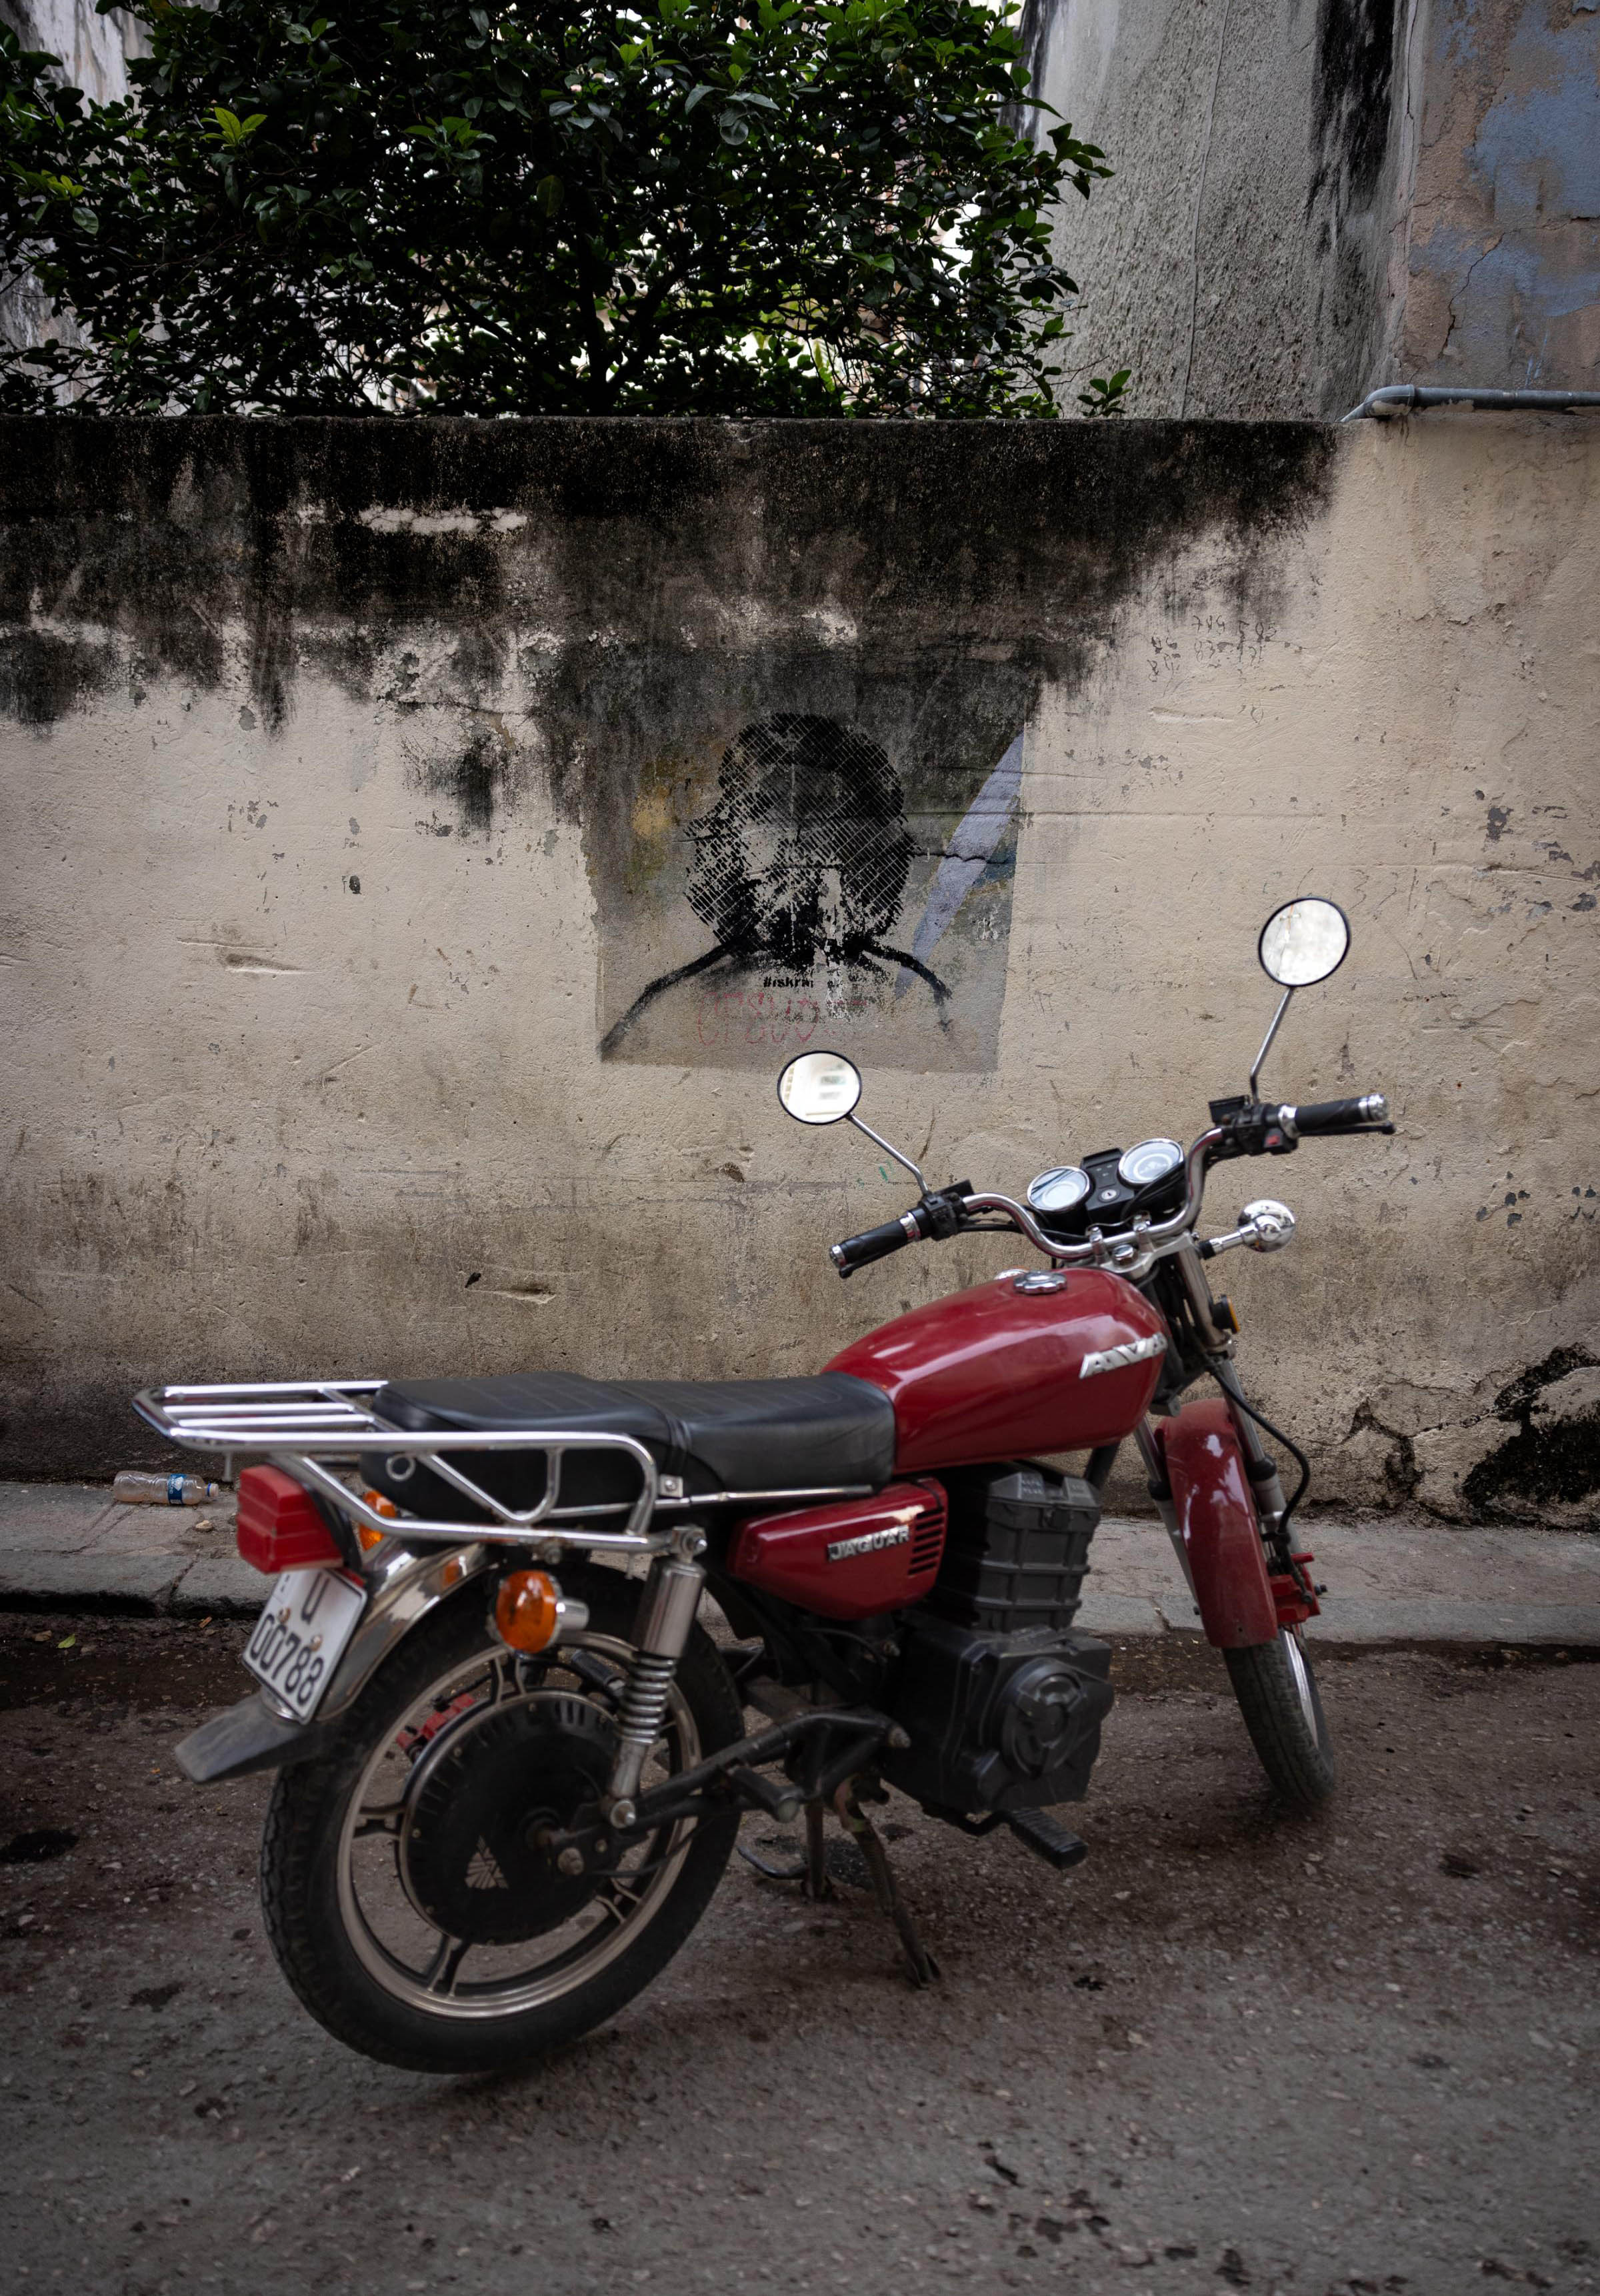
[(406, 1585), (1216, 1519)]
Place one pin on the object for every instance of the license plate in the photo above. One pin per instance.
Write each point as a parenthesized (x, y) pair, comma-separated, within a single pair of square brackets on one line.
[(300, 1636)]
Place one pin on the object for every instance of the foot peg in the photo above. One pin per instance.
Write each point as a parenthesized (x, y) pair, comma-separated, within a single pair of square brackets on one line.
[(777, 1796), (1052, 1843)]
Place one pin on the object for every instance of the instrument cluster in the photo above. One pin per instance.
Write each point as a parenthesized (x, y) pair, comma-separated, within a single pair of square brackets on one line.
[(1107, 1190)]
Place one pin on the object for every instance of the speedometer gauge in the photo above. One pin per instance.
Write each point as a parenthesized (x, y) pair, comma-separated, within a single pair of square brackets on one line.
[(1060, 1190), (1150, 1161)]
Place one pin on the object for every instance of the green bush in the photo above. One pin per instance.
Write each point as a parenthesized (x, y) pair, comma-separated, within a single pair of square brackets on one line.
[(681, 207)]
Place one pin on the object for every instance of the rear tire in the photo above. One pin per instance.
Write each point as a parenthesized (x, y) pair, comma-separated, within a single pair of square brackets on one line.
[(1278, 1697), (330, 1890)]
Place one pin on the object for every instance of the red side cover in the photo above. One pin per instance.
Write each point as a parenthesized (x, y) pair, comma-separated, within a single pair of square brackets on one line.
[(851, 1560), (279, 1525), (1216, 1515)]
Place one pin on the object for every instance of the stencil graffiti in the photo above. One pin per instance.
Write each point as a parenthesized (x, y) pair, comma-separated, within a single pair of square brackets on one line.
[(839, 908)]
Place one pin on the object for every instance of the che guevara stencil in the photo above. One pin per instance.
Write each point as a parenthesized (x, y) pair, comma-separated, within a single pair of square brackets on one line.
[(812, 889)]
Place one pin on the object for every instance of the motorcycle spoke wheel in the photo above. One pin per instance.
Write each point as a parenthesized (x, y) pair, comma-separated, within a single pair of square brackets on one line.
[(1277, 1690), (394, 1934), (426, 1940)]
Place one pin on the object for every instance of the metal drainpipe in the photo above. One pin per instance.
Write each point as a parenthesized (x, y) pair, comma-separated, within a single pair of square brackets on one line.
[(1411, 399)]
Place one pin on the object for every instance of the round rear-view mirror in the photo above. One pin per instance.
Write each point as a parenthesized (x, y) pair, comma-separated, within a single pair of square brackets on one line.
[(1303, 942), (820, 1088)]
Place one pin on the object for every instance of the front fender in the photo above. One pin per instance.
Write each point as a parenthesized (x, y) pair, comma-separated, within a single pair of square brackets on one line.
[(1216, 1522)]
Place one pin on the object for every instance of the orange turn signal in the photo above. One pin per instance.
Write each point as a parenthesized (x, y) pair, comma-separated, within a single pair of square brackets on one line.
[(366, 1537), (528, 1610)]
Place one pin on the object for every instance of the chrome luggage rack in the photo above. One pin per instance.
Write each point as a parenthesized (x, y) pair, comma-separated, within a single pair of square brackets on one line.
[(300, 1425)]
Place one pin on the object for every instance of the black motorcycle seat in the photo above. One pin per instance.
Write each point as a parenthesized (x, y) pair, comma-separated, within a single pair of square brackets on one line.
[(719, 1435)]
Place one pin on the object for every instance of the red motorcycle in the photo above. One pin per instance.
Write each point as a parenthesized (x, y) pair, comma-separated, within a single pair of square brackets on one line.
[(504, 1799)]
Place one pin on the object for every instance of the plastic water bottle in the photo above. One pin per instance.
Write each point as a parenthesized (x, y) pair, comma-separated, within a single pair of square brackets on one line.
[(130, 1489)]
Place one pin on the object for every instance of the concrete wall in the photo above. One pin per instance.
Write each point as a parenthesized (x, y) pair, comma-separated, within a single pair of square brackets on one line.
[(379, 802), (1315, 196)]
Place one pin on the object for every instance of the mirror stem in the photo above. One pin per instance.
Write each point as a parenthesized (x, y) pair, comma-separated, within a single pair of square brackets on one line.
[(1267, 1040), (894, 1151)]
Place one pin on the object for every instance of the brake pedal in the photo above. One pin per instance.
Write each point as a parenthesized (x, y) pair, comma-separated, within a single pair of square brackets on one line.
[(1052, 1843)]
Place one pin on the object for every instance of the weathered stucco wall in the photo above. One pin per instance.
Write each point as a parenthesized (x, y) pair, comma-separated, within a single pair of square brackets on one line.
[(424, 842), (1237, 260), (1314, 198)]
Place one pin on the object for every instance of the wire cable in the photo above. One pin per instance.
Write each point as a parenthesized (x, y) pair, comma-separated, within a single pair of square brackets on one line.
[(1289, 1444)]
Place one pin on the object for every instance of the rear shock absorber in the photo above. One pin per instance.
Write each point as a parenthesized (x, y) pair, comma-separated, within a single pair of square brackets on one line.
[(666, 1615)]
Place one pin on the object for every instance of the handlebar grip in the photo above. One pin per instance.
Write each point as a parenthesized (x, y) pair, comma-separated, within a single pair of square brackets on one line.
[(874, 1244), (1337, 1115)]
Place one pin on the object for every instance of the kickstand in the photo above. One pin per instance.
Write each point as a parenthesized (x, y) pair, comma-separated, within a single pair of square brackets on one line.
[(816, 1883), (922, 1966)]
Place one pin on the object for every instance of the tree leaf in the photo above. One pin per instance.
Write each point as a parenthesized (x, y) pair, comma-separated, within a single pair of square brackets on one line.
[(891, 255)]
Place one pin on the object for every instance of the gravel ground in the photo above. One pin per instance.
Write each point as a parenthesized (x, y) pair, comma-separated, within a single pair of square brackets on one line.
[(1231, 2051)]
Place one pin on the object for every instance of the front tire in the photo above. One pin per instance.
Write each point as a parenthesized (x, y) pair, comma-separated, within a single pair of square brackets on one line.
[(354, 1877), (1278, 1697)]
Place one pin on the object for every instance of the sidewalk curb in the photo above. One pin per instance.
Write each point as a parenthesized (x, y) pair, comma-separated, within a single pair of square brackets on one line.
[(136, 1592), (1395, 1583), (140, 1586)]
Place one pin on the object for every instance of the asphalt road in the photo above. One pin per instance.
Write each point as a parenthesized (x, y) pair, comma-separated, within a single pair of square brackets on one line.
[(1354, 2054)]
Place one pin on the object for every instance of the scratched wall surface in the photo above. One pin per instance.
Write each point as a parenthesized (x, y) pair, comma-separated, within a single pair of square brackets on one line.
[(368, 788)]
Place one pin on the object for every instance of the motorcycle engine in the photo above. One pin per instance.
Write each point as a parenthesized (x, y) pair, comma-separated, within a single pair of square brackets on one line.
[(1003, 1699), (998, 1721)]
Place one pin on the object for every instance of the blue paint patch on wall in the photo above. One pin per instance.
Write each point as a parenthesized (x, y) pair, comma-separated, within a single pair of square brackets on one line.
[(1517, 284), (1538, 146)]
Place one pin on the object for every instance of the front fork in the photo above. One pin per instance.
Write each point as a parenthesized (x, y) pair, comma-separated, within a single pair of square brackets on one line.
[(666, 1617), (1266, 1487)]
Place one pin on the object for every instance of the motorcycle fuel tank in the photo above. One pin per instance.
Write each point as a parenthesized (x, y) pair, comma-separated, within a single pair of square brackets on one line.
[(850, 1560), (1040, 1363)]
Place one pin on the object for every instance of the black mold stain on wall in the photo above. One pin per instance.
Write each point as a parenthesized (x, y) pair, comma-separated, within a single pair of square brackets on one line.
[(1559, 1461), (948, 541), (1352, 119), (43, 676), (1352, 91), (475, 782), (1033, 29)]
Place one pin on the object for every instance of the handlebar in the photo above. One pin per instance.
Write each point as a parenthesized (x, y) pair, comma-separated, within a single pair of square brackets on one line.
[(1241, 1128), (875, 1244), (1355, 1115)]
